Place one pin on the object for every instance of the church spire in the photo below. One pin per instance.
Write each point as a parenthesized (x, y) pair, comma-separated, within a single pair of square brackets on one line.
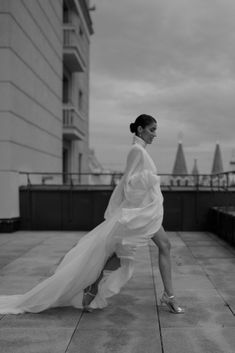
[(217, 166), (195, 168), (180, 163)]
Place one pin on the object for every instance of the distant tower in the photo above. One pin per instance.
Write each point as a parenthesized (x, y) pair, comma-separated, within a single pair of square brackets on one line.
[(217, 166), (180, 162), (195, 168)]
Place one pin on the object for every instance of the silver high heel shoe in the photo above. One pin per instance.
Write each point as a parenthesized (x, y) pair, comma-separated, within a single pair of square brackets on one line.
[(172, 304), (87, 299)]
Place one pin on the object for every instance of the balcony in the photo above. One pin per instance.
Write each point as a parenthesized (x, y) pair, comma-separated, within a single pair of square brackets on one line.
[(72, 52), (82, 7), (73, 124)]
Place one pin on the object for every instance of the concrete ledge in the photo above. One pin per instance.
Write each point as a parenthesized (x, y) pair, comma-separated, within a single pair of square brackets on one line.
[(9, 225), (222, 220)]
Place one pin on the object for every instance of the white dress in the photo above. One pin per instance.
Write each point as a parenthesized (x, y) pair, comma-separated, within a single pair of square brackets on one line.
[(133, 215)]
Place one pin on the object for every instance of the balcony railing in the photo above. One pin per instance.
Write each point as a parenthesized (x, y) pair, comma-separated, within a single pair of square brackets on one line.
[(213, 182), (73, 124), (74, 56), (75, 5)]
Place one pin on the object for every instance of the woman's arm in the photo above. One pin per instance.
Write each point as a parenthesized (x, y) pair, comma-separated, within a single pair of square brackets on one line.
[(133, 160)]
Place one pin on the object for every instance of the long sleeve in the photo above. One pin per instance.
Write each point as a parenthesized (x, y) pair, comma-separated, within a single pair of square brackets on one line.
[(138, 178), (118, 196)]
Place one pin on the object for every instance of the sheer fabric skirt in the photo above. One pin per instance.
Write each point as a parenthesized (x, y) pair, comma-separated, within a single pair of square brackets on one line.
[(80, 267)]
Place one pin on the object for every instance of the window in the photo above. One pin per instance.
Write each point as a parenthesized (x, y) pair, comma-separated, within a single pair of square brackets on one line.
[(65, 89), (66, 14), (81, 31), (79, 167), (80, 99)]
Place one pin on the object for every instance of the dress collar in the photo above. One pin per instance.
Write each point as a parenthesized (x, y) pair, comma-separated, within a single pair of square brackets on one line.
[(139, 141)]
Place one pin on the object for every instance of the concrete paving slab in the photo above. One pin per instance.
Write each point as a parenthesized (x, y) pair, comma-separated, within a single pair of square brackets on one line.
[(188, 270), (34, 340), (116, 340), (213, 240), (222, 242), (175, 240), (130, 309), (205, 285), (4, 240), (49, 250), (194, 283), (210, 252), (52, 318), (19, 241), (200, 294), (200, 311), (32, 234), (12, 251), (140, 282), (195, 236), (29, 266), (6, 259), (17, 284), (220, 281), (204, 243), (218, 261), (225, 269), (199, 340), (182, 256), (228, 296), (179, 256)]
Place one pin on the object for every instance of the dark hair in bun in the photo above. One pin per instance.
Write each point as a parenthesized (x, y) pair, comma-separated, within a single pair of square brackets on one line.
[(132, 128), (142, 120)]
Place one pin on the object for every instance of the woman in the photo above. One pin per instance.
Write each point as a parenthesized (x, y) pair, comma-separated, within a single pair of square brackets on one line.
[(133, 216)]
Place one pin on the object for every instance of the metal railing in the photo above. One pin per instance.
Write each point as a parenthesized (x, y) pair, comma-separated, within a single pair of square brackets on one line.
[(221, 181)]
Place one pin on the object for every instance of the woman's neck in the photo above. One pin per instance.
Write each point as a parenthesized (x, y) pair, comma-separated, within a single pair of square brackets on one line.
[(139, 141)]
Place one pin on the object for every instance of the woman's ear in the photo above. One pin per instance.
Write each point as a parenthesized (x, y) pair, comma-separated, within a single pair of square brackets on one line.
[(139, 130)]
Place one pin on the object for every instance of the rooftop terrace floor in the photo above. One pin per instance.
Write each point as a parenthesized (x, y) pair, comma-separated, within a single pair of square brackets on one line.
[(134, 322)]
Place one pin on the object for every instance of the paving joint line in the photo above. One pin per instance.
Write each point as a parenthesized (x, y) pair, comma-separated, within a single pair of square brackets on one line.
[(157, 308), (230, 308), (71, 338), (208, 277), (25, 252), (222, 243)]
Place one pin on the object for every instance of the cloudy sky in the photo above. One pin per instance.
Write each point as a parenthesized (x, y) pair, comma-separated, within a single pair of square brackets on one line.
[(173, 59)]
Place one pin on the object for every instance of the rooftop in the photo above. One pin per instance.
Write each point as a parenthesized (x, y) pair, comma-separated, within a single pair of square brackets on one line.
[(134, 322)]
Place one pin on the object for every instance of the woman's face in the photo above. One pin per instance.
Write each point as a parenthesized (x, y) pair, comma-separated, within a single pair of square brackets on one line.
[(148, 133)]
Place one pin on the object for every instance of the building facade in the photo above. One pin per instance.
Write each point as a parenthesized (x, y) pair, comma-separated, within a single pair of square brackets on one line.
[(44, 93)]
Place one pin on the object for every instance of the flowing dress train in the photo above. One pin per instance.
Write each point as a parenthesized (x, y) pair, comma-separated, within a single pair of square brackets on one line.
[(133, 215)]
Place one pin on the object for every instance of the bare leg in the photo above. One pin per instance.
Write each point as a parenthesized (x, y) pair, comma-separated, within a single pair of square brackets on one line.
[(163, 244), (168, 298)]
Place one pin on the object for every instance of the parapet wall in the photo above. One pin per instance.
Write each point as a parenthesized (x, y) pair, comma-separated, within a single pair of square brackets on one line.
[(82, 208)]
